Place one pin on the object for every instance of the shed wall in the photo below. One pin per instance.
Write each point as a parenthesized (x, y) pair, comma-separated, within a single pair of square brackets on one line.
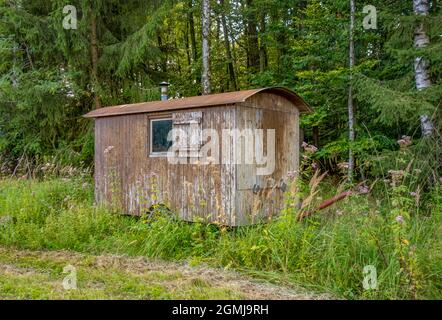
[(126, 176), (267, 111)]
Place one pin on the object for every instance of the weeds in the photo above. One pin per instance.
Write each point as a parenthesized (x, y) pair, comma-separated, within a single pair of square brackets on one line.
[(325, 252)]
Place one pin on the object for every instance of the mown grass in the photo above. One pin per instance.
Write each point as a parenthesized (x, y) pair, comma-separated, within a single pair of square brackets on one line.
[(326, 252), (28, 276)]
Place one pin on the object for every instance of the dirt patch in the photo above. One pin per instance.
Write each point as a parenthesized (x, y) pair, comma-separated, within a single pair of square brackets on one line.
[(9, 269)]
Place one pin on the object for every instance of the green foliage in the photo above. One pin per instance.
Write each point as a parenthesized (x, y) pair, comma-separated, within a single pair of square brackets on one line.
[(44, 89), (393, 107), (326, 252), (47, 83)]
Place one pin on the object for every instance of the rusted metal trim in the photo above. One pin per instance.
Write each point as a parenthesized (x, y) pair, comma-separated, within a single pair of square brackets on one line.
[(219, 99)]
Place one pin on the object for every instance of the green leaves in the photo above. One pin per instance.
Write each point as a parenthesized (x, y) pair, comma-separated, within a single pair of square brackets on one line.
[(392, 106), (47, 80)]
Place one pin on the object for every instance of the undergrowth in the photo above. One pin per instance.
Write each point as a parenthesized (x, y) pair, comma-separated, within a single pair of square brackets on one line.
[(325, 252)]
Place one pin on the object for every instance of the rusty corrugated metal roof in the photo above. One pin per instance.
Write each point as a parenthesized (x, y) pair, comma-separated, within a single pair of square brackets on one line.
[(197, 101)]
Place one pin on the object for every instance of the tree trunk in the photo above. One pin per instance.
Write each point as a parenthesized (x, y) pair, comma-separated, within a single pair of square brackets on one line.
[(351, 120), (186, 42), (281, 39), (230, 67), (263, 61), (94, 59), (163, 51), (234, 55), (192, 32), (252, 38), (315, 133), (205, 79), (421, 65)]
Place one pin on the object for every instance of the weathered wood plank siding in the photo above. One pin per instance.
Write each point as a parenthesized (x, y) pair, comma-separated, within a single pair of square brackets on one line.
[(128, 177), (267, 111)]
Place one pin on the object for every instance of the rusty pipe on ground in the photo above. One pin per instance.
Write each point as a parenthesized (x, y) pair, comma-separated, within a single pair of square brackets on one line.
[(361, 189)]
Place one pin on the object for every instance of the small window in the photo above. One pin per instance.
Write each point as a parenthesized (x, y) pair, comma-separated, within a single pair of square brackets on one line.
[(159, 129)]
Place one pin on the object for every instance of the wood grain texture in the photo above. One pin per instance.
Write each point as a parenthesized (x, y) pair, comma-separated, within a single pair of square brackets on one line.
[(127, 177)]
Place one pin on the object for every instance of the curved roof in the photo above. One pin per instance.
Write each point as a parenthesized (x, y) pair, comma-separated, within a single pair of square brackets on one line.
[(198, 101)]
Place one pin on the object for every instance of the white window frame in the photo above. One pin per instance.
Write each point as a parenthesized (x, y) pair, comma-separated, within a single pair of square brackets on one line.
[(151, 153)]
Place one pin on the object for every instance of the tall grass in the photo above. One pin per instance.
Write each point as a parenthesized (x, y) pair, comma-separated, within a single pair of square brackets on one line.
[(327, 251)]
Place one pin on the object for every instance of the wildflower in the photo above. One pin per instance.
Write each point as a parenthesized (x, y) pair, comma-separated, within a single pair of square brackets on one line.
[(363, 189), (400, 219), (396, 176), (413, 194), (309, 148), (405, 141), (292, 175), (315, 166)]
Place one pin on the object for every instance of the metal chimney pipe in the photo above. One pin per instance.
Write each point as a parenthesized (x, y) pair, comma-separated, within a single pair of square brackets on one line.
[(164, 86)]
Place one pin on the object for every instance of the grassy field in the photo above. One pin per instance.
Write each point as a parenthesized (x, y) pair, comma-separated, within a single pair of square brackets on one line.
[(39, 275), (326, 253), (26, 274)]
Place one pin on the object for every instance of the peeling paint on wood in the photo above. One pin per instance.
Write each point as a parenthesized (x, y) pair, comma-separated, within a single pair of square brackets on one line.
[(126, 176)]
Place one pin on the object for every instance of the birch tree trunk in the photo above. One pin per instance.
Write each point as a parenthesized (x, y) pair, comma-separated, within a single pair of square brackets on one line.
[(421, 65), (205, 79), (351, 121)]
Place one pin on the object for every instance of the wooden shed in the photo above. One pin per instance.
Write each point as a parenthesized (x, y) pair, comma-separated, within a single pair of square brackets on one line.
[(207, 158)]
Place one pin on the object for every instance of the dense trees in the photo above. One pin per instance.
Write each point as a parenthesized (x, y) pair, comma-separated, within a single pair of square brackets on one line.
[(121, 50), (205, 46)]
